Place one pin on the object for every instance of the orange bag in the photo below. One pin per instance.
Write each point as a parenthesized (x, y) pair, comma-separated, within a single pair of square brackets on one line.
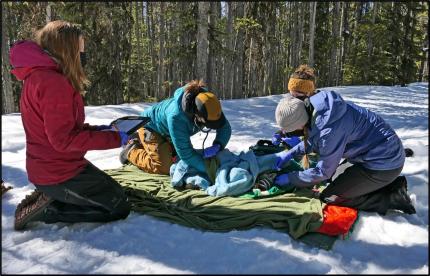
[(337, 220)]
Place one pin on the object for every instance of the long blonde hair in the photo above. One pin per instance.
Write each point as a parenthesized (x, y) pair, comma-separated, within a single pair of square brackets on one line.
[(61, 39), (305, 158)]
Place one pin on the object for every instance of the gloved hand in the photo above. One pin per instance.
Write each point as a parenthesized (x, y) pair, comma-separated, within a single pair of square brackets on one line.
[(276, 139), (290, 141), (211, 151), (124, 137), (282, 158), (103, 127), (282, 180)]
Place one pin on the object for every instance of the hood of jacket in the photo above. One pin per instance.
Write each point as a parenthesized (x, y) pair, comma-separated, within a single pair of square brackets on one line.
[(27, 56), (329, 107)]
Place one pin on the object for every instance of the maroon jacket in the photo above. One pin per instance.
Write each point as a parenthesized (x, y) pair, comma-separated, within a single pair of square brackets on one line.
[(53, 116)]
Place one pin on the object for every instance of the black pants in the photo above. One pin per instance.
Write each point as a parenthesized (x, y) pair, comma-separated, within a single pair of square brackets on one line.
[(91, 196), (357, 187)]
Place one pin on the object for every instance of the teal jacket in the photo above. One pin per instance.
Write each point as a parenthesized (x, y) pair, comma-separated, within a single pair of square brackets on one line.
[(169, 120)]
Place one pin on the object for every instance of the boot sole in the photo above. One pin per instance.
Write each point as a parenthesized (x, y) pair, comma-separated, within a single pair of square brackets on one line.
[(20, 225)]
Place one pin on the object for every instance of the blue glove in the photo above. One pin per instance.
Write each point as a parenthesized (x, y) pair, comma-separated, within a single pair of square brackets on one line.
[(276, 139), (124, 137), (291, 141), (282, 180), (211, 151), (102, 127), (282, 158)]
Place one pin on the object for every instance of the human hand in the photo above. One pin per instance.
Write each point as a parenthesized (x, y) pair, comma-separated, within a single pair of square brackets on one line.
[(282, 158), (211, 151), (279, 137), (276, 139), (282, 180), (291, 141), (124, 137)]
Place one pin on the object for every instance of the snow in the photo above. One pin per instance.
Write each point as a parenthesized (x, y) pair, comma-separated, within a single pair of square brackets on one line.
[(140, 244)]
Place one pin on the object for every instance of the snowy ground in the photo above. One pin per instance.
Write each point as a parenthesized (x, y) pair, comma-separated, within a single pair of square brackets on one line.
[(396, 243)]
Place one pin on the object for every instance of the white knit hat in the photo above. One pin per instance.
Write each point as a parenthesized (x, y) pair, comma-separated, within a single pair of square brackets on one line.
[(291, 114)]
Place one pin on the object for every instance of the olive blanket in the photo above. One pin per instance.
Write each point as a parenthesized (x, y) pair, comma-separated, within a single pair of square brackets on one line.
[(297, 213)]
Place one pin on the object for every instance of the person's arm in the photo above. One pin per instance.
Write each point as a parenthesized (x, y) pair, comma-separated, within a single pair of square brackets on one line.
[(183, 146), (331, 148), (59, 116), (299, 149), (223, 135), (87, 126)]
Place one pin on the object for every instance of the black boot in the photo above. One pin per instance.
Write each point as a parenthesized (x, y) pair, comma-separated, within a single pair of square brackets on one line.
[(399, 198), (399, 183)]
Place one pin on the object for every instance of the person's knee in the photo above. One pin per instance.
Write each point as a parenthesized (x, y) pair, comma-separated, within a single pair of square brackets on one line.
[(122, 210), (331, 198)]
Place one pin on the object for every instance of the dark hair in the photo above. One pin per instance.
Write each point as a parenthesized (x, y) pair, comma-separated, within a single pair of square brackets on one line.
[(195, 86)]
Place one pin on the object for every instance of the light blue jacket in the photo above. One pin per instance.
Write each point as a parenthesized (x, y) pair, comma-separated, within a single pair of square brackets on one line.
[(169, 120), (341, 129)]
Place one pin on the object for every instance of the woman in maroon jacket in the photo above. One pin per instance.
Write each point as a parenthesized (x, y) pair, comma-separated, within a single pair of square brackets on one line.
[(68, 187)]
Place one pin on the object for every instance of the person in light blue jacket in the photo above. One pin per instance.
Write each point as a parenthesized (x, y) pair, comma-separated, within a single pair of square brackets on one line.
[(173, 121), (334, 129)]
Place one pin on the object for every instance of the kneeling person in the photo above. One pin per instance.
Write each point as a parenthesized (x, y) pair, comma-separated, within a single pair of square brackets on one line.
[(173, 122)]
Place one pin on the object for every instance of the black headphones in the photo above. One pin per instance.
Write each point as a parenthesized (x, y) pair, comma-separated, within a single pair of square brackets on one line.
[(190, 102)]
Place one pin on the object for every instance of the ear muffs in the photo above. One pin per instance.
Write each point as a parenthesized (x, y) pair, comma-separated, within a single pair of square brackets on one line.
[(189, 101), (190, 105)]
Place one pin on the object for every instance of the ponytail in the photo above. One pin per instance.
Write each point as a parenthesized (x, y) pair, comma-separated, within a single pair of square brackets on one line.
[(305, 159)]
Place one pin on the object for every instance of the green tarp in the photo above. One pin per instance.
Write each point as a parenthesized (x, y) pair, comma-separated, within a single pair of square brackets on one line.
[(297, 214)]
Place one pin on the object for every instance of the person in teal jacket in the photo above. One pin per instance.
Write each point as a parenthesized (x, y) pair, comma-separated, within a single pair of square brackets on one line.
[(166, 137)]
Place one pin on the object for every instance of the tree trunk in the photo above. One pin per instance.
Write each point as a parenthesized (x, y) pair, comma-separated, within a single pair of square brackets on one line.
[(268, 51), (138, 35), (202, 42), (423, 72), (411, 68), (425, 75), (212, 58), (248, 86), (293, 35), (301, 23), (137, 25), (335, 32), (160, 72), (344, 33), (228, 77), (358, 10), (150, 33), (239, 49), (313, 11), (48, 12), (370, 43), (168, 66), (8, 98)]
